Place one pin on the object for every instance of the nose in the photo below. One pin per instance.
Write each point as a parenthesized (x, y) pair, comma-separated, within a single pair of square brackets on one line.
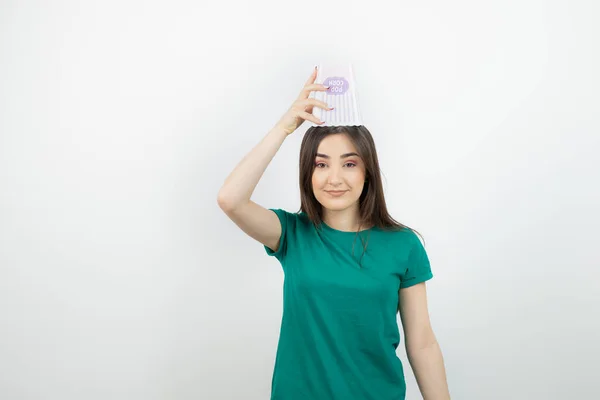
[(335, 177)]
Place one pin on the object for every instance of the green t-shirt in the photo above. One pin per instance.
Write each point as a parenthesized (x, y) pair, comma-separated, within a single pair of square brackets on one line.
[(339, 331)]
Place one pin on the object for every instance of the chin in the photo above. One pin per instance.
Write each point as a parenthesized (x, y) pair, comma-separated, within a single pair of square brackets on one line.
[(337, 204)]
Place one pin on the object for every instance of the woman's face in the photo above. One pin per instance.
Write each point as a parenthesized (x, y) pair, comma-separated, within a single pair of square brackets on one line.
[(338, 168)]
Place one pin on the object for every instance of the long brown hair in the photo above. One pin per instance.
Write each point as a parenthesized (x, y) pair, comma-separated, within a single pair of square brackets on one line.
[(372, 206)]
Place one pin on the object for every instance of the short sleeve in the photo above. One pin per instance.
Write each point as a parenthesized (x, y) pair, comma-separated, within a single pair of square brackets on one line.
[(418, 269), (285, 223)]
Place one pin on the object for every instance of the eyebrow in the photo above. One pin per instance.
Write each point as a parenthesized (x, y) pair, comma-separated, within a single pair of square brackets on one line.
[(342, 156)]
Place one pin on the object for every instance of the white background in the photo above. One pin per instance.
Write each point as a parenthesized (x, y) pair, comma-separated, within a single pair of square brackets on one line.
[(119, 121)]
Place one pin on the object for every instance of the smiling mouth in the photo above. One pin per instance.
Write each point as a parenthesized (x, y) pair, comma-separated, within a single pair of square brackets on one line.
[(336, 192)]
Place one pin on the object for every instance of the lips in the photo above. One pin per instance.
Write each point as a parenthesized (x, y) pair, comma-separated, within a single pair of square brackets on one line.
[(336, 192)]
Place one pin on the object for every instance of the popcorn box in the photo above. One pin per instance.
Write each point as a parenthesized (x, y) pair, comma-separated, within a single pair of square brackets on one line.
[(341, 95)]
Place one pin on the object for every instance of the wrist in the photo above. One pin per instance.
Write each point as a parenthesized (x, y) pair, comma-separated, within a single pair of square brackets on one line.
[(279, 131)]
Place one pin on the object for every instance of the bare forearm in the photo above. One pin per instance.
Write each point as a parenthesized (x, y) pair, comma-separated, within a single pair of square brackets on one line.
[(241, 182), (428, 366)]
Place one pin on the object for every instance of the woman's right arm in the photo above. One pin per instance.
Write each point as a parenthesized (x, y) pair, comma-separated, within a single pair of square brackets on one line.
[(234, 196)]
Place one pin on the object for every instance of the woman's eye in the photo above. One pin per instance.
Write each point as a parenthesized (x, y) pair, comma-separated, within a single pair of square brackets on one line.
[(318, 165)]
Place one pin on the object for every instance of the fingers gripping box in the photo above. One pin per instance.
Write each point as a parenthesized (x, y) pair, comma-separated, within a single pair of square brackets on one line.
[(341, 95)]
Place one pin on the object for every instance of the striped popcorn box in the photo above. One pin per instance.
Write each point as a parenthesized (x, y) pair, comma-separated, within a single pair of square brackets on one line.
[(341, 95)]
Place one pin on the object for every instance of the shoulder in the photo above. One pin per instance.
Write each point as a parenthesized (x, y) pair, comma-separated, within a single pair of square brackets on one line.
[(403, 243), (291, 219), (413, 243), (405, 236)]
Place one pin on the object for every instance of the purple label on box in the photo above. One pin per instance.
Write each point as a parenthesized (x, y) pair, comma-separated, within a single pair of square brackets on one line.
[(337, 85)]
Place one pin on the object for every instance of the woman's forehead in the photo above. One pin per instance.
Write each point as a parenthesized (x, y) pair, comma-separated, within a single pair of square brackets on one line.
[(336, 145)]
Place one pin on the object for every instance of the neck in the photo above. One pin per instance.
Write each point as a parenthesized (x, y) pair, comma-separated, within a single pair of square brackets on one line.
[(347, 220)]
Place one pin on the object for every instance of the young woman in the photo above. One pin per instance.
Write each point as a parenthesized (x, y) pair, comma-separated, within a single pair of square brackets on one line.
[(339, 331)]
